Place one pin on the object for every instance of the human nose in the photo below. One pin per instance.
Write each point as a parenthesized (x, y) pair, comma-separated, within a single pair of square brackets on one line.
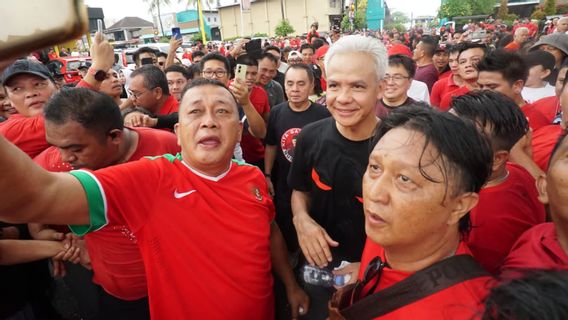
[(209, 120), (376, 189), (344, 96), (67, 156)]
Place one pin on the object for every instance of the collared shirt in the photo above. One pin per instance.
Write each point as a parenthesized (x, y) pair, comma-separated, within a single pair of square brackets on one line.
[(275, 93)]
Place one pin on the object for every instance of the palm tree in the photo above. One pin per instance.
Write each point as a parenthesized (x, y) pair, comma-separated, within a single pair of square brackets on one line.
[(156, 5), (503, 9), (282, 9)]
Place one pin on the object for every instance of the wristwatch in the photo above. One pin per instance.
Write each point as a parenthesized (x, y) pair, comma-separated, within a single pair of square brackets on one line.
[(100, 75)]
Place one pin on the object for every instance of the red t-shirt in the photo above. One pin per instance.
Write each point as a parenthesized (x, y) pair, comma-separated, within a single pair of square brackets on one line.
[(549, 107), (461, 301), (447, 98), (502, 214), (205, 241), (440, 88), (537, 248), (171, 105), (512, 46), (536, 119), (253, 148), (542, 142), (27, 133), (115, 257), (445, 74)]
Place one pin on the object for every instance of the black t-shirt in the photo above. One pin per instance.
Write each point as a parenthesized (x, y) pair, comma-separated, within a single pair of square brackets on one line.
[(330, 168), (284, 125)]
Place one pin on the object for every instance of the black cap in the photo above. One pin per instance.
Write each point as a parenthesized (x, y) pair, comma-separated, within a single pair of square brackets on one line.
[(540, 57), (26, 66)]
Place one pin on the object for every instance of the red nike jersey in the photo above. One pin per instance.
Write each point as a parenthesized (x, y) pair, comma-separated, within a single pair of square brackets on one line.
[(205, 241)]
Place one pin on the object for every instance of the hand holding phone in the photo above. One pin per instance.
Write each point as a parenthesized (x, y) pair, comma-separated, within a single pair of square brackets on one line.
[(241, 72), (176, 33)]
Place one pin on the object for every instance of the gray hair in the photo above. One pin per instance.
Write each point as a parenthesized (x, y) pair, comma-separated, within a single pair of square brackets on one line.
[(521, 30), (358, 43)]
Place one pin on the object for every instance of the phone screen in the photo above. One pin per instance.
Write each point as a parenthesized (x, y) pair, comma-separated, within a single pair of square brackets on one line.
[(176, 33), (146, 61)]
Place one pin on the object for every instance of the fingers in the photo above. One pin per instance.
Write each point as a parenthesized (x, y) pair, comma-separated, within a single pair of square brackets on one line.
[(99, 37), (330, 241)]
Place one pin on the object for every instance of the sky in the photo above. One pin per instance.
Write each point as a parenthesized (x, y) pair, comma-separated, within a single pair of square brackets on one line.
[(115, 10)]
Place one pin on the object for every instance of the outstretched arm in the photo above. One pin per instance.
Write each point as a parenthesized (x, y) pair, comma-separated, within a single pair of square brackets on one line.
[(28, 193)]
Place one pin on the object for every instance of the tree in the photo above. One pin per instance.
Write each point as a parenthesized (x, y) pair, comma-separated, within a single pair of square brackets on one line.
[(284, 28), (503, 10), (359, 21), (156, 5), (397, 20), (455, 8), (549, 7), (482, 7)]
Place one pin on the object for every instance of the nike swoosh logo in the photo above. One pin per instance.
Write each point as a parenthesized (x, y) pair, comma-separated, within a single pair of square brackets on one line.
[(178, 195)]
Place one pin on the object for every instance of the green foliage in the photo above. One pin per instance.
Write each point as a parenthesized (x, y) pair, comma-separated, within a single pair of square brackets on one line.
[(359, 22), (284, 28), (196, 37), (562, 8), (260, 35), (164, 40), (455, 8), (538, 14), (503, 10), (549, 7), (482, 7)]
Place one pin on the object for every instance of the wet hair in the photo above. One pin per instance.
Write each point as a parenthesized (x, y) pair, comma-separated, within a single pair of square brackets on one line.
[(214, 56), (307, 46), (95, 111), (304, 67), (407, 63), (153, 78), (180, 69), (269, 56), (136, 55), (361, 44), (495, 112), (463, 153), (508, 64), (536, 295)]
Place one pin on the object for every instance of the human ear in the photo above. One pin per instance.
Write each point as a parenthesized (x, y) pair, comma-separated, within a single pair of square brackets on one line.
[(462, 204), (541, 188)]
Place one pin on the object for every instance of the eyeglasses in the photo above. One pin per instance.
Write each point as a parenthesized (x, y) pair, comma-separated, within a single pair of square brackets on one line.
[(373, 271), (396, 78), (217, 73), (136, 95)]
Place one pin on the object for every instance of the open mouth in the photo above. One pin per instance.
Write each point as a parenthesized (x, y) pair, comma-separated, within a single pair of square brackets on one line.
[(209, 142), (375, 219), (36, 105)]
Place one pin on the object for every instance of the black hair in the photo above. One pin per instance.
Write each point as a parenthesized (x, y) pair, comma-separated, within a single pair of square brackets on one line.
[(197, 54), (161, 54), (496, 113), (559, 142), (318, 43), (402, 60), (214, 56), (472, 45), (153, 78), (508, 64), (95, 111), (304, 67), (307, 46), (193, 71), (247, 60), (535, 295), (178, 68), (272, 48), (269, 56), (455, 48), (464, 154), (136, 55), (429, 45)]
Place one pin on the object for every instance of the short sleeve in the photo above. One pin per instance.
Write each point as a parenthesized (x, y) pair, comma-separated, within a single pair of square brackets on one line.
[(122, 194), (299, 177)]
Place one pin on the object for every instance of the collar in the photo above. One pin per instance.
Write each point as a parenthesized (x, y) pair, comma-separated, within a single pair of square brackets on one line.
[(204, 176)]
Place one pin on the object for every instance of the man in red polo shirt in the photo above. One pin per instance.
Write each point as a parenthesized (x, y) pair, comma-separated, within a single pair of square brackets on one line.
[(450, 83), (468, 58), (521, 35), (416, 207), (28, 85), (508, 203), (544, 246), (149, 90), (86, 131), (203, 222)]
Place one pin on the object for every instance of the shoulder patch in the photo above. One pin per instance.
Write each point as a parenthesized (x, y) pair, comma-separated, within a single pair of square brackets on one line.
[(170, 157)]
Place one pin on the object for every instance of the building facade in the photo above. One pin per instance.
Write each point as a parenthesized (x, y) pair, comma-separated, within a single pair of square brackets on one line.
[(264, 15)]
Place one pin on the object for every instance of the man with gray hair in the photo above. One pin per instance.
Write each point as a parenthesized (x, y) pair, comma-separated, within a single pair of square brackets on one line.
[(330, 158), (521, 35)]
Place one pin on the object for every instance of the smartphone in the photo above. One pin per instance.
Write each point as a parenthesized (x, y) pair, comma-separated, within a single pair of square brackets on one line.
[(146, 61), (241, 72), (176, 33), (100, 25)]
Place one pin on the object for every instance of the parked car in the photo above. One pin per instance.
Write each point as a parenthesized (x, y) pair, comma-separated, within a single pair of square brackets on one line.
[(68, 67)]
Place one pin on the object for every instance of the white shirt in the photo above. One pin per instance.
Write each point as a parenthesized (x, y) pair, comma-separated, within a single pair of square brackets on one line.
[(532, 94), (419, 91)]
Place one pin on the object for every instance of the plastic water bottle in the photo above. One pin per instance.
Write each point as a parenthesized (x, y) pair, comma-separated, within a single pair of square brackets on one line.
[(322, 277)]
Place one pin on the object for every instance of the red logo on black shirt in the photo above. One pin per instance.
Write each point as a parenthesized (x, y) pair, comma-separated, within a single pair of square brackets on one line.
[(288, 142)]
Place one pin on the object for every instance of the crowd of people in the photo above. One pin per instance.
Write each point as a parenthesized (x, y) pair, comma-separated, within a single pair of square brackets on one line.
[(428, 173)]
